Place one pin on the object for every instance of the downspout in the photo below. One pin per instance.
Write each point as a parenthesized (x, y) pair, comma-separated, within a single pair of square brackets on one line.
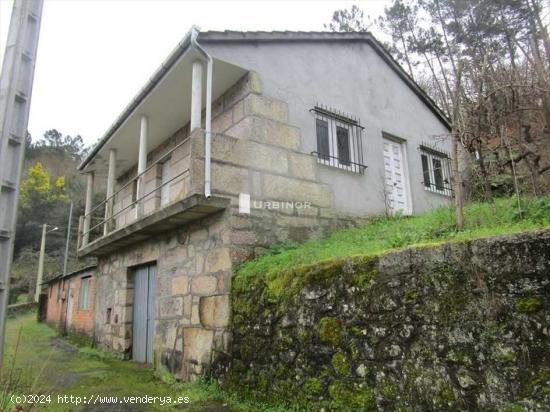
[(208, 120)]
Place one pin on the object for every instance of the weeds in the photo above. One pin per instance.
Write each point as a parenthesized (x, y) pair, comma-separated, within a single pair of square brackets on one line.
[(387, 233)]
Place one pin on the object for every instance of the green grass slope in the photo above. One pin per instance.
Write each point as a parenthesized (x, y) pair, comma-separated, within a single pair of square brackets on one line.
[(385, 234)]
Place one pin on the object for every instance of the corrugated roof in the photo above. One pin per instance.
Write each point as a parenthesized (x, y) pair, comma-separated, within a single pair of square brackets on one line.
[(68, 275)]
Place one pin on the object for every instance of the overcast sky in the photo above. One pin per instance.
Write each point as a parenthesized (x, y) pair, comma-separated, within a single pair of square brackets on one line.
[(95, 55)]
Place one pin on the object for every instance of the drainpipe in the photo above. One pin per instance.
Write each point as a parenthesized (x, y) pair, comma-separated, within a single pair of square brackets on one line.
[(208, 120)]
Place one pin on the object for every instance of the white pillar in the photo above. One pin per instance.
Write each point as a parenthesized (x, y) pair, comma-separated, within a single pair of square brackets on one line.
[(142, 163), (109, 200), (196, 95), (88, 208)]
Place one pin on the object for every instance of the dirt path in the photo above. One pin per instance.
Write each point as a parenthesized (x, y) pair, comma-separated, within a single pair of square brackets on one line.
[(50, 365)]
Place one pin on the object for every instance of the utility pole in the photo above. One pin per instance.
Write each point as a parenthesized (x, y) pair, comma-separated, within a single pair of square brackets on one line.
[(16, 81), (40, 274), (68, 240)]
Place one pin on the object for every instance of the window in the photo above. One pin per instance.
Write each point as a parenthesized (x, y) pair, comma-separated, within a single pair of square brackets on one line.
[(84, 299), (338, 140), (164, 182), (322, 140), (436, 170), (342, 137)]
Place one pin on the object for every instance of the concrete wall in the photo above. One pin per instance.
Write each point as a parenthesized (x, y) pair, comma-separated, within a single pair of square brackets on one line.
[(351, 77)]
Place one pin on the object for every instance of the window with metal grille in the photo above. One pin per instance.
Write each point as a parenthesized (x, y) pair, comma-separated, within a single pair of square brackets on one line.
[(339, 141), (436, 170), (84, 299)]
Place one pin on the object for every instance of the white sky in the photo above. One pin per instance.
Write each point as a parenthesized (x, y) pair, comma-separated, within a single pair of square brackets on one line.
[(95, 55)]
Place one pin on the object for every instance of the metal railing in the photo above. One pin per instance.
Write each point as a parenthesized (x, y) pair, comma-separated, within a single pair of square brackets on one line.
[(339, 139), (436, 169), (106, 223)]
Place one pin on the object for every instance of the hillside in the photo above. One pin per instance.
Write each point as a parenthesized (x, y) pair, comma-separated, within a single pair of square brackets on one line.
[(460, 326), (403, 313), (385, 234), (49, 182)]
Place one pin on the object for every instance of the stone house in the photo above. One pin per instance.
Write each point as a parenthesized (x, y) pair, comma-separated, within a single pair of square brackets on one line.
[(239, 141), (71, 302)]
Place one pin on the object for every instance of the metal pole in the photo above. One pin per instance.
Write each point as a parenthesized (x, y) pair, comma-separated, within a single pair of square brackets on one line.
[(16, 79), (40, 273), (68, 239)]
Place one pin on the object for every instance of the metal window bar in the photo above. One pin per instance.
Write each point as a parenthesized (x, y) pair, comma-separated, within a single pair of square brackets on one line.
[(436, 170), (102, 220), (332, 129)]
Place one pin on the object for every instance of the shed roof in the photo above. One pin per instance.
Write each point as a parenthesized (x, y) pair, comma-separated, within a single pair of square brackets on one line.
[(71, 274)]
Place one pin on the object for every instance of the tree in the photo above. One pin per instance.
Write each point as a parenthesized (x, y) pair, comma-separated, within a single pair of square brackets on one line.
[(41, 200), (37, 192), (348, 20), (64, 144)]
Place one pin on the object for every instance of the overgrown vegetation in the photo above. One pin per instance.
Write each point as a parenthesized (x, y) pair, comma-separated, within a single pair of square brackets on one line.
[(383, 234), (47, 364), (50, 181)]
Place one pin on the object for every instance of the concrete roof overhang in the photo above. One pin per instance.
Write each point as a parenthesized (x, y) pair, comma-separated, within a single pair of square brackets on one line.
[(166, 101)]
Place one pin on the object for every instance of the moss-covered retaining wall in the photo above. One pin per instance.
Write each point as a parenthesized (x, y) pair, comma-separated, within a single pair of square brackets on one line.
[(462, 326)]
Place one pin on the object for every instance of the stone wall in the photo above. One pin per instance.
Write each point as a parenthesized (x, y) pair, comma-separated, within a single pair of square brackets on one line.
[(462, 326), (193, 274)]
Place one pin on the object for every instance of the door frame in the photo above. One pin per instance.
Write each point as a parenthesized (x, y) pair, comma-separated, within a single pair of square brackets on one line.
[(150, 309), (406, 170), (70, 304)]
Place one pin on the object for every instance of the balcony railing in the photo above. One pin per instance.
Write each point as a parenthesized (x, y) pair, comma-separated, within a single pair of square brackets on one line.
[(141, 195)]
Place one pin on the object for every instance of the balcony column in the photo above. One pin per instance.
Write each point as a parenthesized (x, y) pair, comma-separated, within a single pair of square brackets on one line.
[(142, 164), (109, 200), (88, 208), (196, 95)]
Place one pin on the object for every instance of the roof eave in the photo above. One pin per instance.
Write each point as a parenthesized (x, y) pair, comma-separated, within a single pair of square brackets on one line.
[(174, 56), (234, 36)]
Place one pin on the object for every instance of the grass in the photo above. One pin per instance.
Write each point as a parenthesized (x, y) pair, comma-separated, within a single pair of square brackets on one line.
[(53, 366), (384, 234)]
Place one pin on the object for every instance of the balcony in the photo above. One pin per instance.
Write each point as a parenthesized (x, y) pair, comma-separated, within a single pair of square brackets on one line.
[(154, 154), (167, 194)]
